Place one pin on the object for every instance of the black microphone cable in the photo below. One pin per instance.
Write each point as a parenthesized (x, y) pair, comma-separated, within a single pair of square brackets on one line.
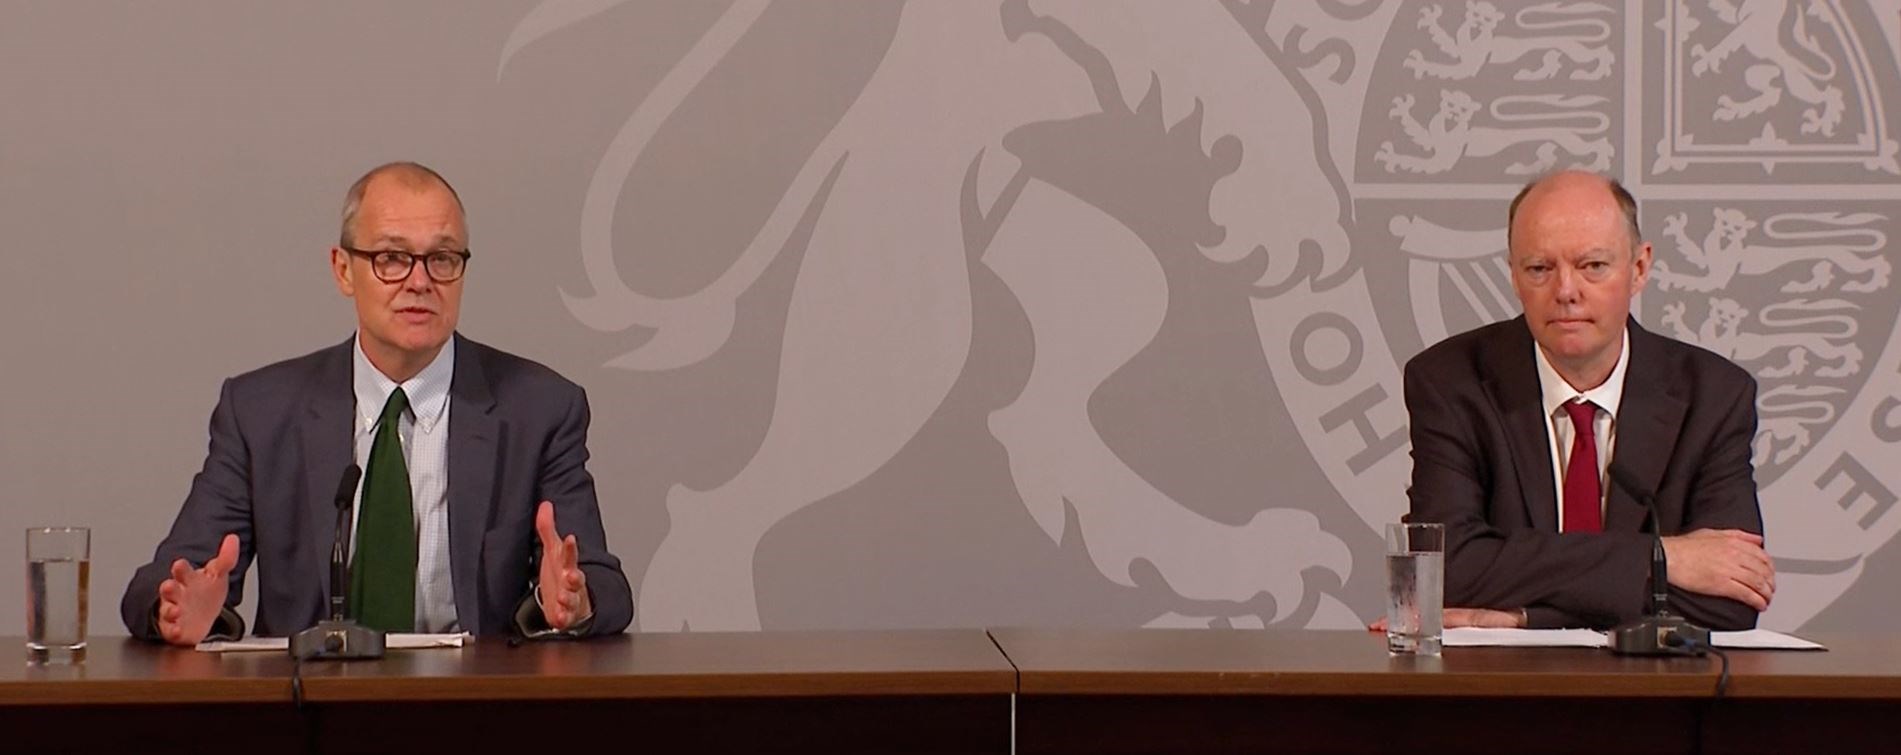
[(1722, 677), (1707, 709), (297, 682), (308, 716)]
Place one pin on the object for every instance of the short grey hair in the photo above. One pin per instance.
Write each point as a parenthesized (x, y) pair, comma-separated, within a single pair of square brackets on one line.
[(1626, 204), (412, 172)]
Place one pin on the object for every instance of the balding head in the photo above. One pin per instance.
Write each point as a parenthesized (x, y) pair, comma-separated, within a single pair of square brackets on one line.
[(1571, 179), (1577, 261), (408, 175), (404, 214)]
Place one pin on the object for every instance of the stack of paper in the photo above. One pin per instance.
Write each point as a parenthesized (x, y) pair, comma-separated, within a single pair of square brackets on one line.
[(282, 644)]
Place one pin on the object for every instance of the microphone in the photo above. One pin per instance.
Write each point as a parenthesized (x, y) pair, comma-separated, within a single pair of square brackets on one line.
[(340, 550), (339, 638), (1660, 631)]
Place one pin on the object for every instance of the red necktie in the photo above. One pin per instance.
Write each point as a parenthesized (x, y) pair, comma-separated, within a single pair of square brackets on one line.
[(1582, 501)]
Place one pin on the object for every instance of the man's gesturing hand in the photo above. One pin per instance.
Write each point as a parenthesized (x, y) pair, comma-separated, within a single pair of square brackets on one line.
[(189, 602), (562, 585)]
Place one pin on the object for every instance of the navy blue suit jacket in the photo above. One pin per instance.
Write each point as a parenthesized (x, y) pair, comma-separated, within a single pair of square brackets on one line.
[(281, 438)]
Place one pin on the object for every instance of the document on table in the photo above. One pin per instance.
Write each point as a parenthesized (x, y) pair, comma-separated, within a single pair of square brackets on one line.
[(1754, 639), (282, 644), (1762, 639), (1475, 637)]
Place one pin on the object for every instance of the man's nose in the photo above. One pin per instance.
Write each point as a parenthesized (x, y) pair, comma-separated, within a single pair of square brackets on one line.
[(419, 280), (1567, 289)]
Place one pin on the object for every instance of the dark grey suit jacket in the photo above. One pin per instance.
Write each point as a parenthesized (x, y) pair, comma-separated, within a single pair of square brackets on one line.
[(1482, 466), (281, 438)]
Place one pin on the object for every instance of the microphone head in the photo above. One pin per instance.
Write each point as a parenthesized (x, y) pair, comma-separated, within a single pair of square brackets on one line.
[(346, 488)]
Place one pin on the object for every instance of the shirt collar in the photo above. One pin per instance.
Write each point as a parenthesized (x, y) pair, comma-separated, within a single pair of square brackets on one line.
[(1557, 392), (428, 391)]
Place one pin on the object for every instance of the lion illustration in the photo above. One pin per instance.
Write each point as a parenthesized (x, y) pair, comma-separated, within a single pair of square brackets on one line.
[(1758, 31), (1801, 335), (1450, 136), (1787, 412), (1726, 252), (1478, 43)]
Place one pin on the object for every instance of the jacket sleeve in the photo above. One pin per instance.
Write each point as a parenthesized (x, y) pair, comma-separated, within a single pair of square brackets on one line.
[(219, 504), (566, 483), (1722, 495)]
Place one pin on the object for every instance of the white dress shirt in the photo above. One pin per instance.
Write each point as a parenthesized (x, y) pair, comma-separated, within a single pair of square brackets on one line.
[(1558, 427), (425, 436)]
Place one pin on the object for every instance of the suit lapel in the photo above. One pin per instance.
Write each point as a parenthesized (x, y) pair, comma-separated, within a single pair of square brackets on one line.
[(1513, 390), (474, 446), (1648, 420), (326, 429)]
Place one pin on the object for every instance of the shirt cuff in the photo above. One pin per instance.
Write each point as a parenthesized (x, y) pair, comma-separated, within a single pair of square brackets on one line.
[(533, 624), (229, 627)]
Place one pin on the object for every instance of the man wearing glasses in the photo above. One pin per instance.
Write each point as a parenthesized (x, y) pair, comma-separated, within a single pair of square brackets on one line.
[(484, 521)]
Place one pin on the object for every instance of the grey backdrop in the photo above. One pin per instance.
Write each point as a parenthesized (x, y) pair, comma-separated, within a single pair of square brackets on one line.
[(952, 312)]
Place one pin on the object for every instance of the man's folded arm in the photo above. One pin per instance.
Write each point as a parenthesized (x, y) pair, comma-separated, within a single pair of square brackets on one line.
[(1488, 567), (1723, 497)]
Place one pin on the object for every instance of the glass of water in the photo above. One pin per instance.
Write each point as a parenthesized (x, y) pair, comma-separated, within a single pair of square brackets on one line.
[(58, 563), (1415, 587)]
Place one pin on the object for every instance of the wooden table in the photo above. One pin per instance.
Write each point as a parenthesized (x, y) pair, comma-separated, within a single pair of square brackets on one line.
[(964, 691), (1157, 691), (918, 691)]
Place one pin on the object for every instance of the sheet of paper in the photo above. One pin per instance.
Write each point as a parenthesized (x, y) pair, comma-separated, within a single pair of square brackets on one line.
[(1474, 637), (1762, 639), (1755, 639), (282, 644)]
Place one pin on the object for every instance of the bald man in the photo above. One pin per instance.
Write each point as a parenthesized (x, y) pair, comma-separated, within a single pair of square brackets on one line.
[(475, 511), (1537, 440)]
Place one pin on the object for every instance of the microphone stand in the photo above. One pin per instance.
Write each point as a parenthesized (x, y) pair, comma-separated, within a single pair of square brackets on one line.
[(339, 638), (1660, 631)]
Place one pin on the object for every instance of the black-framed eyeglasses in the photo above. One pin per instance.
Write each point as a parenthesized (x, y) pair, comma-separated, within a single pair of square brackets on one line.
[(391, 266)]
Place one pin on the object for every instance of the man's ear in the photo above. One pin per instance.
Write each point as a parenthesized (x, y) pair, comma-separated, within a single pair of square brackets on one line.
[(340, 270), (1642, 274)]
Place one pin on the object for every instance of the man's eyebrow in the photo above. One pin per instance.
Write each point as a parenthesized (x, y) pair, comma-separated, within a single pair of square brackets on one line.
[(386, 239), (441, 241)]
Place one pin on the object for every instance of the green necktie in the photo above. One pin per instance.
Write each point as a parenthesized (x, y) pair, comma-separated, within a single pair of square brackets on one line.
[(383, 577)]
